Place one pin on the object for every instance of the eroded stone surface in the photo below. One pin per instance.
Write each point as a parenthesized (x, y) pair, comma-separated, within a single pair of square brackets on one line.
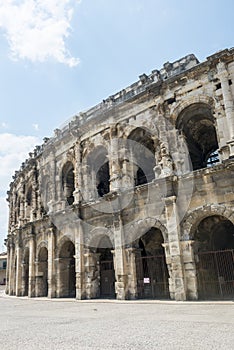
[(149, 163)]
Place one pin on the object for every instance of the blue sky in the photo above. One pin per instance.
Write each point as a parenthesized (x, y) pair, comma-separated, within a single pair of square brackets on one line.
[(60, 57)]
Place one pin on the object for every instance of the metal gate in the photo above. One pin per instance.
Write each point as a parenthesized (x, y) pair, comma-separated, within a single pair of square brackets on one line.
[(152, 277), (107, 282), (215, 274)]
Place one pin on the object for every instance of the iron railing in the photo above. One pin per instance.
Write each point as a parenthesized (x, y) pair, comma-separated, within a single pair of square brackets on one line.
[(152, 277), (215, 274)]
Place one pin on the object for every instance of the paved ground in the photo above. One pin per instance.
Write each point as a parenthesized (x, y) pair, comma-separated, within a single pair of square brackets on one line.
[(30, 324)]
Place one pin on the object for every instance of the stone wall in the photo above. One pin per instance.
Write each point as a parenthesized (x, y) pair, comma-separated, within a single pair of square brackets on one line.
[(158, 154)]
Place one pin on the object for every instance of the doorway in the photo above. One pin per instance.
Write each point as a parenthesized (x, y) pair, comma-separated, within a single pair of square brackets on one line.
[(151, 267)]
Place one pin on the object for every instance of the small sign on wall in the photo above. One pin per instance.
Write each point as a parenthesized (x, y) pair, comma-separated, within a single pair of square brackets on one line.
[(146, 280)]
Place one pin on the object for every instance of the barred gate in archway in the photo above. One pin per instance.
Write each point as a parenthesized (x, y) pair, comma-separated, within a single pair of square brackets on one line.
[(215, 274), (107, 279), (152, 277)]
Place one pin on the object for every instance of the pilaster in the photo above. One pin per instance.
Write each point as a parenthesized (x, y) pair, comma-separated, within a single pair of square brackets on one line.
[(31, 287), (228, 103), (18, 270), (79, 262), (51, 264), (87, 191), (127, 169), (114, 164), (77, 174), (132, 255), (58, 285), (177, 280), (189, 269), (92, 274), (10, 268), (121, 276)]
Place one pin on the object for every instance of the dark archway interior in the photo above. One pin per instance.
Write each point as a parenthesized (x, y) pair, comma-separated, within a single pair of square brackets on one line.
[(26, 272), (68, 182), (29, 196), (151, 242), (42, 283), (28, 202), (103, 178), (214, 258), (67, 270), (215, 233), (143, 152), (99, 165), (107, 273), (196, 122), (46, 194), (152, 272)]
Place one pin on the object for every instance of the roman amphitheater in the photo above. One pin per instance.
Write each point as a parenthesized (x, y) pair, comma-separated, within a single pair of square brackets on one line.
[(134, 197)]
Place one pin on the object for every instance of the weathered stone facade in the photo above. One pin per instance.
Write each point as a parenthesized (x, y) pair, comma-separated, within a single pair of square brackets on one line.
[(124, 200)]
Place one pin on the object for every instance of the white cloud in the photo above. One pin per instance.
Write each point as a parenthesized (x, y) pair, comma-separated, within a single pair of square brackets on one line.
[(36, 127), (37, 29), (13, 151), (4, 125)]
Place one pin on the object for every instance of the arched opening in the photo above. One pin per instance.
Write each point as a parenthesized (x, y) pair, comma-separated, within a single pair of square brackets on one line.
[(17, 212), (100, 268), (103, 178), (143, 153), (46, 194), (151, 267), (28, 203), (15, 207), (25, 273), (98, 163), (106, 263), (67, 273), (214, 253), (197, 124), (42, 274), (68, 182)]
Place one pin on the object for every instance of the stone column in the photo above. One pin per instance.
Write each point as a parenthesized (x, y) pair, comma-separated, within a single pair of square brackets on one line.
[(58, 277), (33, 214), (92, 188), (18, 291), (38, 288), (178, 292), (8, 268), (228, 103), (132, 255), (79, 261), (54, 189), (51, 264), (120, 260), (171, 280), (77, 174), (14, 261), (92, 274), (24, 279), (128, 167), (11, 269), (86, 182), (115, 171), (11, 202), (190, 270), (31, 286), (22, 211)]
